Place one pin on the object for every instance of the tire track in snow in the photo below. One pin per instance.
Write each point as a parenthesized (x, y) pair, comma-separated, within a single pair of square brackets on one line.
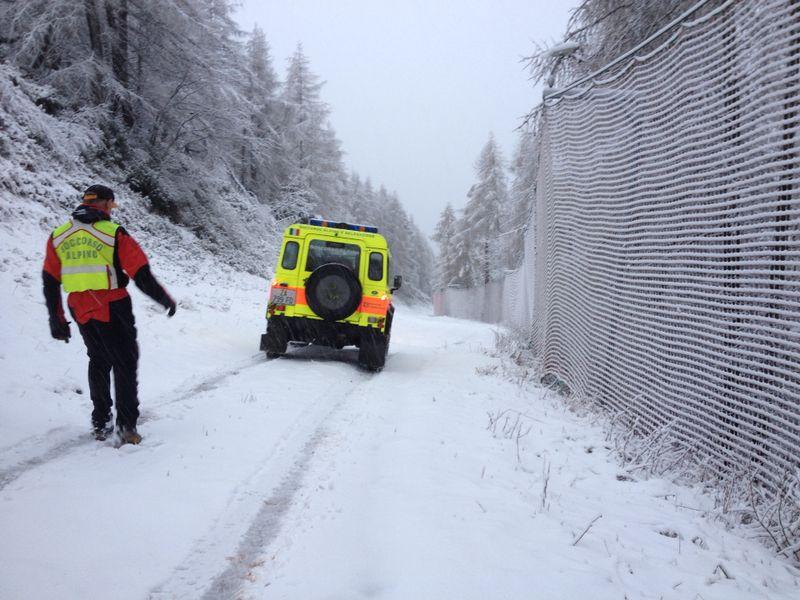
[(266, 524), (10, 474), (262, 531), (16, 470), (206, 385)]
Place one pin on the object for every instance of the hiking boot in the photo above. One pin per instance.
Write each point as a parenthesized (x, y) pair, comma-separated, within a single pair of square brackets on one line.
[(129, 436), (101, 432)]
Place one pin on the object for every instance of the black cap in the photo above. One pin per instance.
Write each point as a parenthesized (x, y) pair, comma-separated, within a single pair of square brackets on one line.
[(98, 192)]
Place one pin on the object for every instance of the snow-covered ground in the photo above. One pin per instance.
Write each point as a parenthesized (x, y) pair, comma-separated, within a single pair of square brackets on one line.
[(306, 478)]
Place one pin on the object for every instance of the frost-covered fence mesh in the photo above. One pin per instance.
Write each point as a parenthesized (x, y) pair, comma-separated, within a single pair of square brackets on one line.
[(662, 269)]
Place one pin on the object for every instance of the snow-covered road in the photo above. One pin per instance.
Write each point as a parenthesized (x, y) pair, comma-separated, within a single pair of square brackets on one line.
[(307, 478)]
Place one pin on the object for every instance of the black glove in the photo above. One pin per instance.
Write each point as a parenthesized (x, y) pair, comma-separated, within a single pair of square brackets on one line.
[(170, 305), (59, 329), (147, 283)]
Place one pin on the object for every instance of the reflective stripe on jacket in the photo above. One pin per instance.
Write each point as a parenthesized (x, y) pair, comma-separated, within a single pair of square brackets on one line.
[(86, 253)]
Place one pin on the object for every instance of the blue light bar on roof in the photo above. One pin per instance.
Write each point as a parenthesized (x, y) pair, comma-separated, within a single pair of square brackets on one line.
[(340, 225)]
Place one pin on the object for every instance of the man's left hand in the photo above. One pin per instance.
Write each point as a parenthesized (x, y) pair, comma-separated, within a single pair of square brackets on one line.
[(170, 305)]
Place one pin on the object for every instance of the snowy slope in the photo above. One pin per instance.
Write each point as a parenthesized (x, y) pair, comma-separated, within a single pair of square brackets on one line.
[(46, 163), (307, 478)]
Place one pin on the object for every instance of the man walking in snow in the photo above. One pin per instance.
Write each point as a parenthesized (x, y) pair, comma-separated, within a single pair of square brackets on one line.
[(93, 259)]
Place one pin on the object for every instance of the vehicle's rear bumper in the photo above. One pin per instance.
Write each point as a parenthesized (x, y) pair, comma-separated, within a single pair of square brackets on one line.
[(317, 331)]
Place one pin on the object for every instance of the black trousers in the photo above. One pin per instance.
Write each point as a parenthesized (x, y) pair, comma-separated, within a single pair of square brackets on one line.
[(112, 347)]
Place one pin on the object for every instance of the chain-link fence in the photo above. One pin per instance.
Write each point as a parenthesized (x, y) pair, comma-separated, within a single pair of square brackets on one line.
[(662, 267)]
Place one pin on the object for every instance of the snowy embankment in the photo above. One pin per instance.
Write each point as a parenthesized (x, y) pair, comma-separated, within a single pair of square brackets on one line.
[(305, 477)]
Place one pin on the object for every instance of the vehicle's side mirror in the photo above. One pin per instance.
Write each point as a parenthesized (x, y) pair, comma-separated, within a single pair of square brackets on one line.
[(398, 281)]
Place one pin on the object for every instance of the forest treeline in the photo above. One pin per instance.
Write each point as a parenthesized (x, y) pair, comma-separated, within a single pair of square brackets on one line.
[(190, 112), (479, 243)]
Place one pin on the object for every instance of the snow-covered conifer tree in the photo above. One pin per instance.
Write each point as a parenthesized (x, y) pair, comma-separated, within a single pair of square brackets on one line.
[(521, 195), (259, 158), (444, 235), (312, 169), (479, 245)]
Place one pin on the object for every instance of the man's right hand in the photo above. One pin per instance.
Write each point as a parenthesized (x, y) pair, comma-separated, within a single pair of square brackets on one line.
[(59, 329)]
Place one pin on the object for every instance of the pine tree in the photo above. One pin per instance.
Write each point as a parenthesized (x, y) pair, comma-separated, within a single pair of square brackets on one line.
[(263, 81), (521, 196), (259, 156), (424, 261), (444, 235), (479, 246), (312, 171)]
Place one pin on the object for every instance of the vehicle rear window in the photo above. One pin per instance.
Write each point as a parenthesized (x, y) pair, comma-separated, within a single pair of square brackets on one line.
[(321, 252), (289, 261), (375, 272)]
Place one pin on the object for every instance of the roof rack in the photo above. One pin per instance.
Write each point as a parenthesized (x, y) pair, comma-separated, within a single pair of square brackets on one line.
[(342, 225)]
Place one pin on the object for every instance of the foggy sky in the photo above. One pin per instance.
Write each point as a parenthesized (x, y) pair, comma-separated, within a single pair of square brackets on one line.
[(416, 86)]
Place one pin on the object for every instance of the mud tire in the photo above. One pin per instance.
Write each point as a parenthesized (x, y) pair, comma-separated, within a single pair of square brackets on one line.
[(372, 350), (276, 339)]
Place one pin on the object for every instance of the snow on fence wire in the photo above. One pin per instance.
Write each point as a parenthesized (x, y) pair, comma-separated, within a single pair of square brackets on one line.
[(662, 268)]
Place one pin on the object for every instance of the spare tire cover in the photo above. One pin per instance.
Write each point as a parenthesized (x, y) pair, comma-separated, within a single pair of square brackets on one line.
[(333, 291)]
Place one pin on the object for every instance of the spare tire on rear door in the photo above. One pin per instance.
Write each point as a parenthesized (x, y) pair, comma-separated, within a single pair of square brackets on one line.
[(333, 291)]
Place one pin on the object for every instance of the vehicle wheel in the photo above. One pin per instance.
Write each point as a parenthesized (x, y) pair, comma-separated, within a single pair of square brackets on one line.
[(387, 331), (389, 320), (333, 292), (276, 338), (372, 351)]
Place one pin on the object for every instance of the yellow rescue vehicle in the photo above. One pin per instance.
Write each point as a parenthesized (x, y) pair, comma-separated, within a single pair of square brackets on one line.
[(333, 286)]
